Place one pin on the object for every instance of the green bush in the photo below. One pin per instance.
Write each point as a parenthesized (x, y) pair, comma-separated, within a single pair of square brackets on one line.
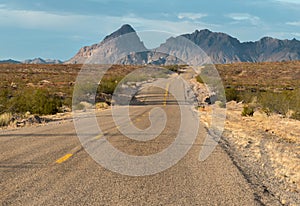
[(199, 79), (280, 102), (247, 111), (231, 94), (35, 101), (108, 84)]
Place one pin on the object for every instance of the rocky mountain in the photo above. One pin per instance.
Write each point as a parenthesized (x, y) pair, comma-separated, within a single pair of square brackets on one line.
[(42, 61), (9, 61), (118, 44), (125, 47), (223, 48)]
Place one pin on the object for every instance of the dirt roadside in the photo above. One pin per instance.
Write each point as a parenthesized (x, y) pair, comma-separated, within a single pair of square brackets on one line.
[(266, 149)]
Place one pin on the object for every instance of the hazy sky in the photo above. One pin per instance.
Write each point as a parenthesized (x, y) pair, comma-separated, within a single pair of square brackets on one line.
[(58, 28)]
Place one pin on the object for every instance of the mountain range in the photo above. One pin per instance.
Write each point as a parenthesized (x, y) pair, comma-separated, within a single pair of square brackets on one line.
[(219, 47), (32, 61)]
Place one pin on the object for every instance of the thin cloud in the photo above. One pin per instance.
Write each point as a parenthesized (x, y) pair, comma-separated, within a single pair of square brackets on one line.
[(294, 23), (288, 4), (44, 20), (36, 19), (191, 16), (296, 34), (289, 1), (244, 17)]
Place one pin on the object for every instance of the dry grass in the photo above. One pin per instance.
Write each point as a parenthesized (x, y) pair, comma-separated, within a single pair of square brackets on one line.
[(261, 75), (19, 81), (275, 87), (5, 119)]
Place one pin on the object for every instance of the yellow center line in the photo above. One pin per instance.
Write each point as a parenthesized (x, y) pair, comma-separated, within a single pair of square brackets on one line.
[(98, 136), (64, 158), (166, 93)]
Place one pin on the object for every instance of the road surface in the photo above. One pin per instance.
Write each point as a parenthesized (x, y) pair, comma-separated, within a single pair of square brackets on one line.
[(47, 165)]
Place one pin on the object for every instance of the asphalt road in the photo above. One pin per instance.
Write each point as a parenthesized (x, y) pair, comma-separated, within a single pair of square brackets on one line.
[(47, 165)]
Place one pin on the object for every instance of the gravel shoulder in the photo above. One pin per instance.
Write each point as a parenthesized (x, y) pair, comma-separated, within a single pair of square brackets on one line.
[(266, 149)]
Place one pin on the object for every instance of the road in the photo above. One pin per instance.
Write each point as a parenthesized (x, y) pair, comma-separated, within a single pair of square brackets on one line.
[(47, 165)]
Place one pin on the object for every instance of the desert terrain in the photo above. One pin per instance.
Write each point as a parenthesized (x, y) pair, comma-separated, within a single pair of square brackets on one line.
[(261, 136)]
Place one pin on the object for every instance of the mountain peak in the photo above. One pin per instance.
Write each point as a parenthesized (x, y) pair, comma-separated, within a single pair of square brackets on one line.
[(125, 29), (204, 31)]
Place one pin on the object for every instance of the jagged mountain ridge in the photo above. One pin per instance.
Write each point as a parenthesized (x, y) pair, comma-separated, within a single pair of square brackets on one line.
[(10, 61), (42, 61), (220, 47), (32, 61), (223, 48)]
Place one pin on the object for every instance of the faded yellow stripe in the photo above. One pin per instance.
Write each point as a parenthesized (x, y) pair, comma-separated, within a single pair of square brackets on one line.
[(166, 94), (98, 136), (64, 158)]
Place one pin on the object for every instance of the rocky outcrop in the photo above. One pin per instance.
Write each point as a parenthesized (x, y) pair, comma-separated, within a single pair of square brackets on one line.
[(112, 49)]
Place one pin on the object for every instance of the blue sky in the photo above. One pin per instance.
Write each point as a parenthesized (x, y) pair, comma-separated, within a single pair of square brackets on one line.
[(58, 28)]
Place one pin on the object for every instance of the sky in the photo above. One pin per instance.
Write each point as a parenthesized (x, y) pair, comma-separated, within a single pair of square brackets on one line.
[(57, 29)]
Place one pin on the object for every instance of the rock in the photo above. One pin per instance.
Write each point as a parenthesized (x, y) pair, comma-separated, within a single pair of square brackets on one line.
[(34, 119), (86, 105), (21, 123), (102, 97), (27, 114), (211, 99), (44, 82), (30, 85), (13, 85), (101, 105)]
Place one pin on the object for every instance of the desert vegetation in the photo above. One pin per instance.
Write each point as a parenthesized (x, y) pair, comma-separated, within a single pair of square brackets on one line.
[(269, 87), (48, 89)]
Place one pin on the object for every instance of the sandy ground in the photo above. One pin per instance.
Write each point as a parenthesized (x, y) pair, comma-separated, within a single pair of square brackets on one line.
[(266, 149)]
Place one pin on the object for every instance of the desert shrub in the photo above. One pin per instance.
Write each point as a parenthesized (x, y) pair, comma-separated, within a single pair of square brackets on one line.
[(296, 115), (5, 119), (231, 94), (84, 92), (221, 104), (277, 102), (108, 84), (79, 106), (67, 102), (5, 95), (248, 111), (36, 101), (173, 68), (199, 79)]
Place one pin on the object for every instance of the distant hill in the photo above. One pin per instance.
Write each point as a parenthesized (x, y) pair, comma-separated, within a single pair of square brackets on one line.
[(220, 47), (42, 61), (9, 61), (32, 61)]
